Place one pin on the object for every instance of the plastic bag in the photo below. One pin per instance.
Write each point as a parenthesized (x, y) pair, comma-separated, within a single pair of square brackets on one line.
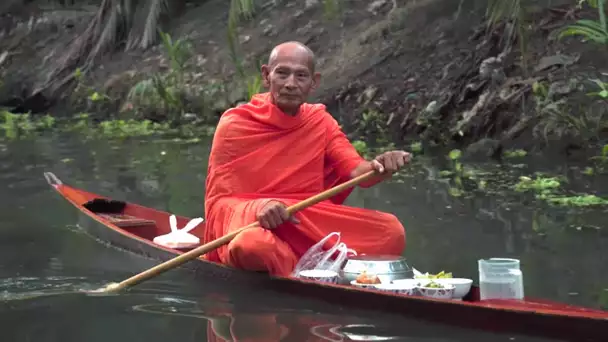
[(317, 258), (179, 238)]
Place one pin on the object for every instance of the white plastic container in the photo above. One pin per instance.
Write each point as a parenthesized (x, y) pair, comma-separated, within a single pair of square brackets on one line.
[(500, 278), (179, 238)]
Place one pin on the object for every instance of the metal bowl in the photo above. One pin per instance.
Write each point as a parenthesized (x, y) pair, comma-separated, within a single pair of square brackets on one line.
[(389, 267)]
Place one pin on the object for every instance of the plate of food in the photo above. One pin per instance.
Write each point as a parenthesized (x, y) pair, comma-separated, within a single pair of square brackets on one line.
[(366, 280), (435, 289)]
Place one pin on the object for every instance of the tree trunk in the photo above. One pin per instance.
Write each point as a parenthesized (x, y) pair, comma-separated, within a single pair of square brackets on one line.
[(128, 24)]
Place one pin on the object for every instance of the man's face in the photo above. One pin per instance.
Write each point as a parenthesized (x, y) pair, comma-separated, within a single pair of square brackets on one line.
[(290, 80)]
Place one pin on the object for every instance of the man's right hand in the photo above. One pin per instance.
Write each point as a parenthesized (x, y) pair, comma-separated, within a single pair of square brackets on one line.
[(273, 214)]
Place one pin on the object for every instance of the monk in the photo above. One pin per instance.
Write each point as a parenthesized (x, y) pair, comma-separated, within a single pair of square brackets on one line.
[(277, 150)]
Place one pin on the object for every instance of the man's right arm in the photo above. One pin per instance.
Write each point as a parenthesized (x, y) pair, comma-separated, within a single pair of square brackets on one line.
[(347, 161)]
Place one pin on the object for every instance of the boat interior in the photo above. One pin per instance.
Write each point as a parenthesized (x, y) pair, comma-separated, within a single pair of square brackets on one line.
[(148, 223), (134, 219)]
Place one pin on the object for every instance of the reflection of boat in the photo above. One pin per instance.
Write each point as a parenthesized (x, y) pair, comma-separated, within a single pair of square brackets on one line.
[(353, 332), (136, 226)]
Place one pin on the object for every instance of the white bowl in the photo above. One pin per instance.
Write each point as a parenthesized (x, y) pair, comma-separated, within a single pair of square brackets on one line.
[(324, 276), (462, 286), (438, 293), (365, 286), (406, 289)]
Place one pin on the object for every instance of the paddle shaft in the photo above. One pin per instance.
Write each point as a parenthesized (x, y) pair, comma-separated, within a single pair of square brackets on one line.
[(208, 247)]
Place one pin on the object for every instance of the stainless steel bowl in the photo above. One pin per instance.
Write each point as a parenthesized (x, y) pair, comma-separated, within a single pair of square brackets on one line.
[(387, 266)]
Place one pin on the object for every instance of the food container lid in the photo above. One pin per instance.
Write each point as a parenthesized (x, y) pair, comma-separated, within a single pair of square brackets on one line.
[(376, 264)]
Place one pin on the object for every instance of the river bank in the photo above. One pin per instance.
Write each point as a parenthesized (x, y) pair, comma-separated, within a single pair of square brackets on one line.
[(432, 73)]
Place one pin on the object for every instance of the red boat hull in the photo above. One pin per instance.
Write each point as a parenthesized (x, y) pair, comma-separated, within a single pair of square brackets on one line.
[(530, 317)]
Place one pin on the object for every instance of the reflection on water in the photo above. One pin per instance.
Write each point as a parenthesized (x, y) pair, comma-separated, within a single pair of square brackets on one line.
[(46, 262), (63, 313), (353, 332), (254, 322)]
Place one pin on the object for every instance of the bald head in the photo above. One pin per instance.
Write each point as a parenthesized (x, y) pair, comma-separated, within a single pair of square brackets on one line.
[(292, 50), (290, 75)]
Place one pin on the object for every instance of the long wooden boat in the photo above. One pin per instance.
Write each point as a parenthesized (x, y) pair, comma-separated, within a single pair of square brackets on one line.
[(135, 227)]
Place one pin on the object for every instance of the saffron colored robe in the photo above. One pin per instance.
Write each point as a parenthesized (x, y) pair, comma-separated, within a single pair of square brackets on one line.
[(259, 154)]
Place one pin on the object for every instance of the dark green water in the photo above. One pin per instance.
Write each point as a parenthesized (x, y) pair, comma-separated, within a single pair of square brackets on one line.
[(45, 259)]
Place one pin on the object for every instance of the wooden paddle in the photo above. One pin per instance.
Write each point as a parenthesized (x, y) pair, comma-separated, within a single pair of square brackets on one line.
[(208, 247)]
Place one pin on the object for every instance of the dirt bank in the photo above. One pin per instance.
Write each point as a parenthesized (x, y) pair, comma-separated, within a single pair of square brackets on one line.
[(426, 70)]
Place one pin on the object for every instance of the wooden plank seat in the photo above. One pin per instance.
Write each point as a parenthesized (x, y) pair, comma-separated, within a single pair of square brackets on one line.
[(122, 220)]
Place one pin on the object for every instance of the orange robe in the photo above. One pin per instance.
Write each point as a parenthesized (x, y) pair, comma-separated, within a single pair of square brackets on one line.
[(260, 153)]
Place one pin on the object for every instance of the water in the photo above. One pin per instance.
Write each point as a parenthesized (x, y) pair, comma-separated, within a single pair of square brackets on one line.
[(45, 259), (500, 279), (501, 289)]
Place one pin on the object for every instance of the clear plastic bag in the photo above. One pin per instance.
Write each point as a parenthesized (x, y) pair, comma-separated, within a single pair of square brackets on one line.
[(318, 258)]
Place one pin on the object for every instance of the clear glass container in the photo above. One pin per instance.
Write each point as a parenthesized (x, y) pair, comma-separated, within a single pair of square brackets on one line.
[(500, 278)]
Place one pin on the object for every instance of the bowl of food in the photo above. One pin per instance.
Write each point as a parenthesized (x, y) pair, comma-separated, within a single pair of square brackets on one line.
[(366, 280), (363, 285), (462, 286), (324, 276), (386, 267), (406, 289), (427, 275), (433, 289)]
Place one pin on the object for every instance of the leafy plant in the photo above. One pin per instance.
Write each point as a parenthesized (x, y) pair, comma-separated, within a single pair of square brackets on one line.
[(592, 30), (178, 52), (165, 91), (86, 94), (603, 92), (513, 11), (15, 126), (254, 85)]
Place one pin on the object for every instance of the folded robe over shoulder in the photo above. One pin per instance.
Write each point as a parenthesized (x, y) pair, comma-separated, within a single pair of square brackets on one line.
[(259, 154)]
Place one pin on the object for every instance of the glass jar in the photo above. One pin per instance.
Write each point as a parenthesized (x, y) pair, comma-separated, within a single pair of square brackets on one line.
[(500, 278)]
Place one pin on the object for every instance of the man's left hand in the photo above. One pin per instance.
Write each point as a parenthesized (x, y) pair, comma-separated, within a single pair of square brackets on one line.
[(391, 161)]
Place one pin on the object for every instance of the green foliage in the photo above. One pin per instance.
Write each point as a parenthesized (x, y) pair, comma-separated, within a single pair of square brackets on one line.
[(166, 92), (591, 30), (540, 184), (513, 11), (372, 124), (24, 126), (416, 147), (249, 80), (84, 95), (603, 91), (546, 188), (361, 147), (559, 118), (15, 126), (515, 153), (601, 162), (254, 85), (178, 52)]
